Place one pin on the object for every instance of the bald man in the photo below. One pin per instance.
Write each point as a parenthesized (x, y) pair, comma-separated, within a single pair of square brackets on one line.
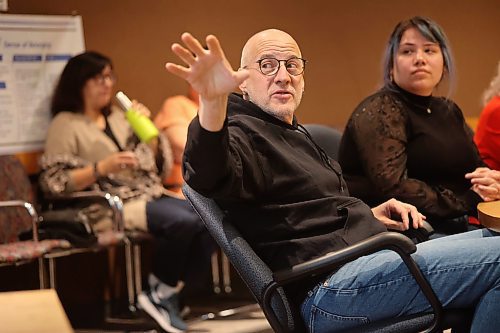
[(290, 202)]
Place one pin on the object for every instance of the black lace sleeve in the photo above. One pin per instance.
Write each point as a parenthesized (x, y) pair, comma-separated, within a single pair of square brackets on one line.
[(379, 128)]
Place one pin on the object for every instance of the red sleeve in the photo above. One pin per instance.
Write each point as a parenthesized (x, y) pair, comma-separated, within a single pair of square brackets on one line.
[(487, 136)]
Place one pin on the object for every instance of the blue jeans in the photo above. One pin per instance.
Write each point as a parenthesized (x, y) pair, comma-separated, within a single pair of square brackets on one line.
[(463, 270)]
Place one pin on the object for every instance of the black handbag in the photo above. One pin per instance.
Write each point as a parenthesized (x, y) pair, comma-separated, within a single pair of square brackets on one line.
[(68, 224)]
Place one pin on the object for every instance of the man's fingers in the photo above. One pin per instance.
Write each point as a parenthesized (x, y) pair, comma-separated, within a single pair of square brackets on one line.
[(177, 70), (396, 226), (193, 44), (415, 218), (185, 56), (241, 75), (405, 219), (214, 46), (403, 213)]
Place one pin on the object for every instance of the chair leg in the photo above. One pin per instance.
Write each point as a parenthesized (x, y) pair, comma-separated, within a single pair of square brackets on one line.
[(215, 272), (52, 273), (130, 275), (112, 288), (137, 269), (226, 274), (132, 317), (41, 274)]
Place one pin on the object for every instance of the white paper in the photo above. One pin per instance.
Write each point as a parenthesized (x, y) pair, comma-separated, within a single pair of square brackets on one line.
[(33, 51)]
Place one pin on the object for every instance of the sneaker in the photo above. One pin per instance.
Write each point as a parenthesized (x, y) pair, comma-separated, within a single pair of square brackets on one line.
[(185, 312), (164, 311)]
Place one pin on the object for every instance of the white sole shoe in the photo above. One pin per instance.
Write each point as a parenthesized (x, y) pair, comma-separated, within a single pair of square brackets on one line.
[(162, 318)]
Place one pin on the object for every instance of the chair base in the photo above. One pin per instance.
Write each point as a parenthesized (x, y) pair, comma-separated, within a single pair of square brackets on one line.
[(121, 317), (224, 313)]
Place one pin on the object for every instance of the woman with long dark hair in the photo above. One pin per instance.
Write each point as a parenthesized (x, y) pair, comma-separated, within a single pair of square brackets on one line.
[(90, 145)]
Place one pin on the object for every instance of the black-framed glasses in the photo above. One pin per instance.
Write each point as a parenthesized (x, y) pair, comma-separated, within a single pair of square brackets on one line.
[(271, 66), (102, 78)]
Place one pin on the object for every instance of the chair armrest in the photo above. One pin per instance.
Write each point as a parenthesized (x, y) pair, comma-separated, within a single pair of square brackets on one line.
[(421, 234), (393, 241), (31, 211), (113, 201), (427, 227), (326, 263)]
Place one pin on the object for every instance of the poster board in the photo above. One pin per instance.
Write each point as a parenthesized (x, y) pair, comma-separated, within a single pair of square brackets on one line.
[(33, 51)]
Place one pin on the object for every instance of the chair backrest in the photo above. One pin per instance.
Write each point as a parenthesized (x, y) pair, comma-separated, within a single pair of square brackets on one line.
[(253, 271), (14, 185), (327, 138)]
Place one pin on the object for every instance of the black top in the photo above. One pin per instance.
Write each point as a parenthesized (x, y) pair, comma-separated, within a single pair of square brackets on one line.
[(414, 148), (283, 194)]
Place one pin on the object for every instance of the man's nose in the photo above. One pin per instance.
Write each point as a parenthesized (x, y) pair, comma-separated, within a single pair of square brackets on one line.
[(282, 75)]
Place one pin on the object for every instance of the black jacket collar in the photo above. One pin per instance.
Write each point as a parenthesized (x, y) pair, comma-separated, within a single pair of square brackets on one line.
[(242, 106)]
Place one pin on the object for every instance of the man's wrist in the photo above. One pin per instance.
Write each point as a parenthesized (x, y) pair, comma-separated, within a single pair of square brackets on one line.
[(212, 112)]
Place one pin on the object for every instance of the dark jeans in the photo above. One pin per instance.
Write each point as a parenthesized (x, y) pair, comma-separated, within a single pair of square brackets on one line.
[(183, 246)]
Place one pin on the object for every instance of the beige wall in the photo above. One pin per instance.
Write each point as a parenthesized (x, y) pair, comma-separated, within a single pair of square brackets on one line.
[(343, 42)]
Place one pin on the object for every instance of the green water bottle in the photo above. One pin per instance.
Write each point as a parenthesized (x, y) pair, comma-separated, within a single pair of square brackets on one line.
[(142, 126)]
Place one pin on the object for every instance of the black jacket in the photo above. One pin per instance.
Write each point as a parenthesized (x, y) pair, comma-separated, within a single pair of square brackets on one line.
[(278, 188)]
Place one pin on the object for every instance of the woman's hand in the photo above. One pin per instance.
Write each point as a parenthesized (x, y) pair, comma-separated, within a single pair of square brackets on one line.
[(117, 162), (486, 183), (144, 111), (386, 211), (141, 108)]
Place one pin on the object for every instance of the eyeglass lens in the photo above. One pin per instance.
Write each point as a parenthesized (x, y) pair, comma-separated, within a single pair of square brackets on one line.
[(270, 66)]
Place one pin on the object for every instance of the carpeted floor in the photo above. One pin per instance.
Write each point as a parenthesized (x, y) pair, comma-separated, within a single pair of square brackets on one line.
[(252, 320), (224, 316)]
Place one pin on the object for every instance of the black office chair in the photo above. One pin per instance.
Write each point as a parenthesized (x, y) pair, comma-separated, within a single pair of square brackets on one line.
[(327, 138), (266, 286)]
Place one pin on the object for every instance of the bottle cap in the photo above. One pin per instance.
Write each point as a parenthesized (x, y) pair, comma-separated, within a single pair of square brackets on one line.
[(123, 100)]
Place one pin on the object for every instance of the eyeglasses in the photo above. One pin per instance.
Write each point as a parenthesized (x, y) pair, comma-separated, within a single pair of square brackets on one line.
[(102, 78), (271, 66)]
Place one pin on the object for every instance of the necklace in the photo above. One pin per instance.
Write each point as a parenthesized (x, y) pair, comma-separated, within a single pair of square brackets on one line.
[(428, 108), (421, 104), (416, 101)]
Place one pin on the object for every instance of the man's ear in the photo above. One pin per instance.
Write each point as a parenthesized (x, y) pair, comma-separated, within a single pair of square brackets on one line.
[(243, 88)]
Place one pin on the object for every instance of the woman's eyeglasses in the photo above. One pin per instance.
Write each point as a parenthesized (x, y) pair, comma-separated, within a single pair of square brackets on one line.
[(102, 78)]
